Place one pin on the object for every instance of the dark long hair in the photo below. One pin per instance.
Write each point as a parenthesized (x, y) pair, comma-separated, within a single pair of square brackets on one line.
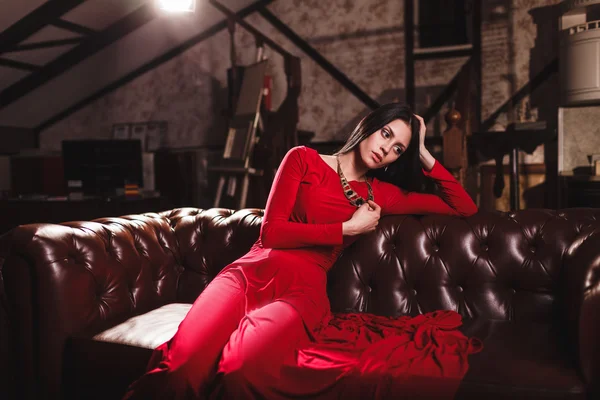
[(406, 171)]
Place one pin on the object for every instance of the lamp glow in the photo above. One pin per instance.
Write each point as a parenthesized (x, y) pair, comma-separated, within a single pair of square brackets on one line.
[(177, 5)]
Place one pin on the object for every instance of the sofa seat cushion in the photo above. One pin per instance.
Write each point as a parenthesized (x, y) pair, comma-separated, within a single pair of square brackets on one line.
[(519, 361), (148, 330)]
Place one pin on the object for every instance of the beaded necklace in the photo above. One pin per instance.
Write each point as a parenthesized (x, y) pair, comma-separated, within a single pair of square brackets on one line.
[(350, 194)]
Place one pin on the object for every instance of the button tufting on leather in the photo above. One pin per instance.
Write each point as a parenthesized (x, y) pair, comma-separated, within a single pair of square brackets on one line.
[(484, 247), (413, 292), (459, 288), (436, 248), (595, 278), (532, 249)]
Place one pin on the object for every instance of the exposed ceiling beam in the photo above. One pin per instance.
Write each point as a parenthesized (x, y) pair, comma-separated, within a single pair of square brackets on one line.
[(87, 48), (5, 62), (154, 63), (45, 44), (73, 27), (257, 34), (318, 58), (34, 21)]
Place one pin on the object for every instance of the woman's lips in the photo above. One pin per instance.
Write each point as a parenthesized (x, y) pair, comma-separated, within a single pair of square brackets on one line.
[(376, 157)]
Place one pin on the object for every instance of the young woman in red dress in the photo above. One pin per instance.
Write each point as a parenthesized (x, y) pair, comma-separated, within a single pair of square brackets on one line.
[(263, 327)]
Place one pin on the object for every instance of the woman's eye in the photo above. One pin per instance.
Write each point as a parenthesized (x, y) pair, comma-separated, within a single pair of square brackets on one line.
[(398, 150), (386, 134)]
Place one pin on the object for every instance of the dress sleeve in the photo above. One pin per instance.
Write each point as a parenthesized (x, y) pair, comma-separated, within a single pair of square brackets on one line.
[(277, 231), (453, 199)]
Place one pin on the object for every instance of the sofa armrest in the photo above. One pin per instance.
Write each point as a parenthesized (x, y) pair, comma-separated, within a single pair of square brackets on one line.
[(77, 280), (582, 303)]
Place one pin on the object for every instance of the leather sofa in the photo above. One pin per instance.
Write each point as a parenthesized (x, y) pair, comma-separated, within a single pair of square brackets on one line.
[(83, 303)]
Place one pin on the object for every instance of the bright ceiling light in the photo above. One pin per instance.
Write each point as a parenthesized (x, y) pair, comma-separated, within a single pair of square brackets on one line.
[(177, 5)]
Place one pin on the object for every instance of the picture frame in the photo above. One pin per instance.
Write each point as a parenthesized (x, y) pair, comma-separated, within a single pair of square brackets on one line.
[(151, 134), (121, 131), (138, 131), (156, 135)]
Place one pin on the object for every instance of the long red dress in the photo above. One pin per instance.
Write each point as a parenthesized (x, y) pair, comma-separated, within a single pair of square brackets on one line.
[(263, 328)]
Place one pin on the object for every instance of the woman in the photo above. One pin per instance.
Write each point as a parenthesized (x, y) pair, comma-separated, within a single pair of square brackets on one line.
[(260, 328)]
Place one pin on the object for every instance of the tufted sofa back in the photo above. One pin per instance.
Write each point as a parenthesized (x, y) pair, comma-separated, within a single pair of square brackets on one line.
[(111, 268), (491, 265)]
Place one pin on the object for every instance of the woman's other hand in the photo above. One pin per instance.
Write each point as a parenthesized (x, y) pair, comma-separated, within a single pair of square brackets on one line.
[(427, 160), (365, 219), (422, 131)]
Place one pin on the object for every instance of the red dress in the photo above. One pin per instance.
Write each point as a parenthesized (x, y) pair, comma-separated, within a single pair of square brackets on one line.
[(263, 328)]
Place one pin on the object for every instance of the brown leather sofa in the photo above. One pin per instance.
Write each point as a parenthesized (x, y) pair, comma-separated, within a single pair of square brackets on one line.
[(84, 302)]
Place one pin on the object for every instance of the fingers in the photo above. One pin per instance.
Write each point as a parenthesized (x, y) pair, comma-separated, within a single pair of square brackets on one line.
[(422, 129), (422, 122), (366, 206), (374, 205)]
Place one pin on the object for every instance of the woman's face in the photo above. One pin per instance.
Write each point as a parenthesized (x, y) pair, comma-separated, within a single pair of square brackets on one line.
[(384, 146)]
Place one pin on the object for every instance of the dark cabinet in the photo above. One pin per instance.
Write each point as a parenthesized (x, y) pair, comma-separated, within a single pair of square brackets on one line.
[(579, 191)]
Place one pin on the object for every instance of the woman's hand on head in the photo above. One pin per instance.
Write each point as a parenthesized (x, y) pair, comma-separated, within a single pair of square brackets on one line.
[(422, 131), (365, 219), (427, 160)]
